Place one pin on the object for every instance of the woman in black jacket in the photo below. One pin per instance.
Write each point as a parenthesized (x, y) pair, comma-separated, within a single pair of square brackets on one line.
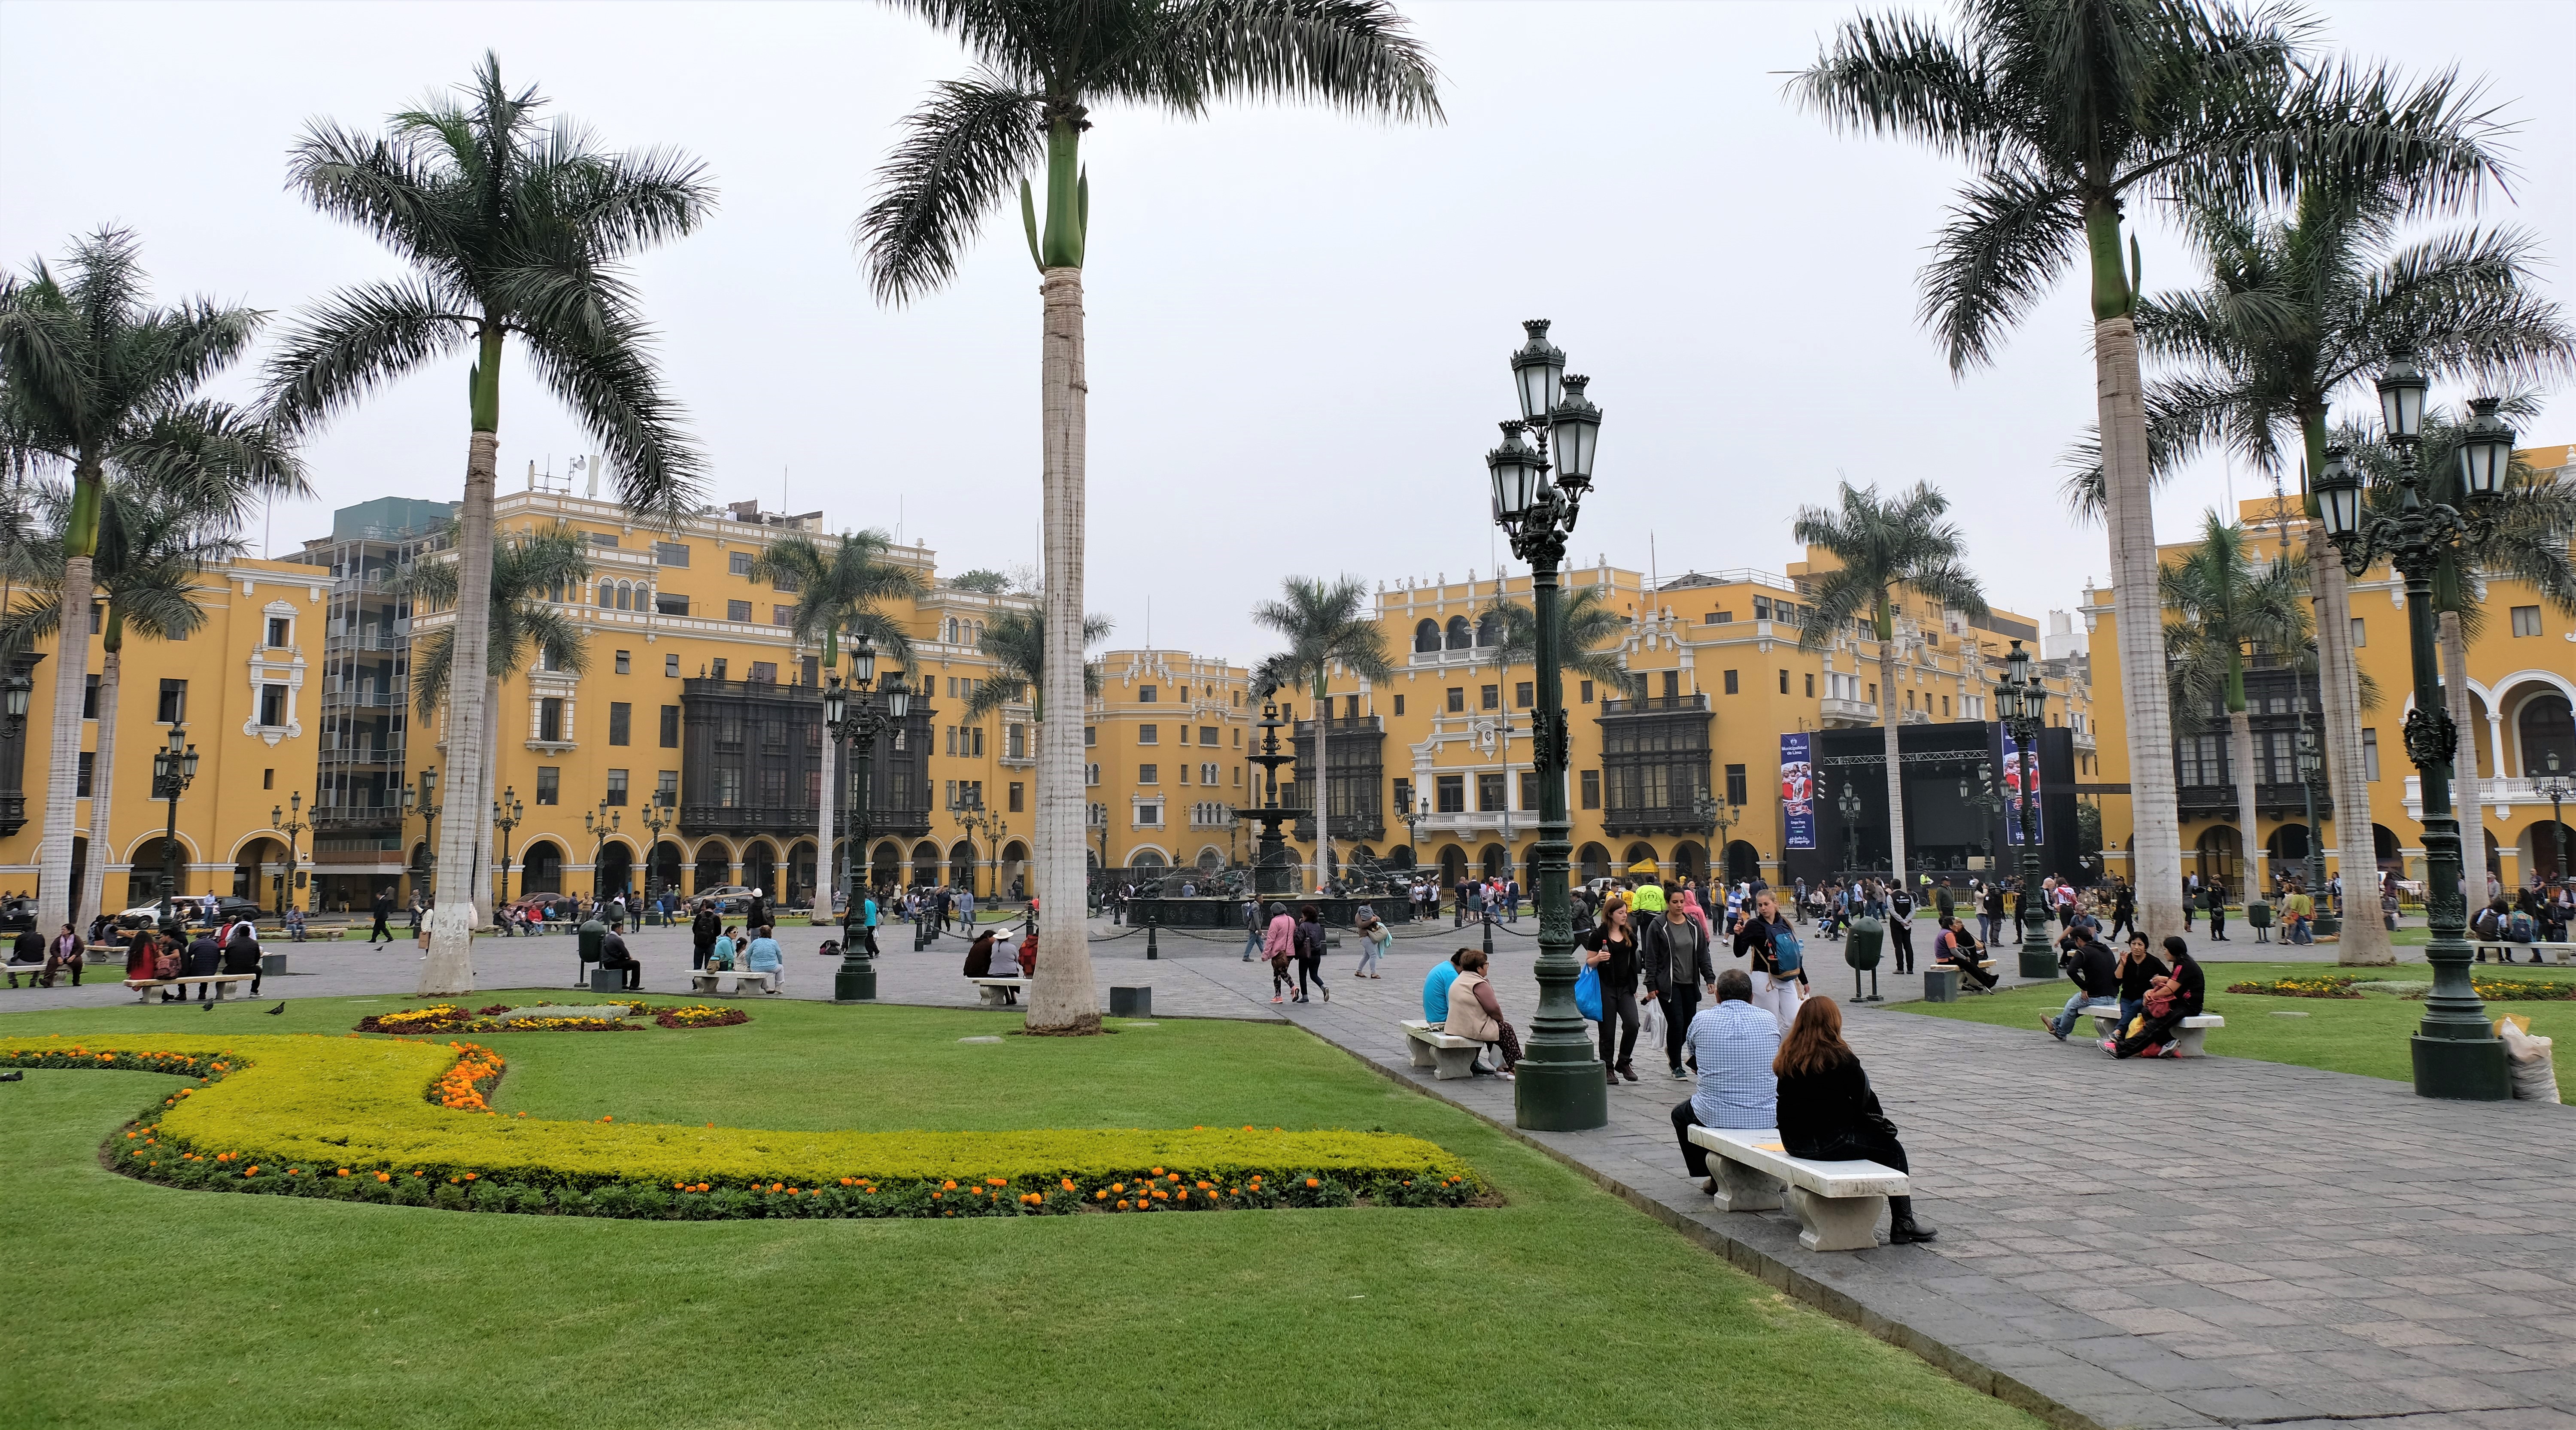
[(1610, 950), (1310, 952), (1827, 1111), (2170, 999)]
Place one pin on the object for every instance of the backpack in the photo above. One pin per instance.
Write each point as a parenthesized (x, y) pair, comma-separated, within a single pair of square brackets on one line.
[(2519, 928), (1786, 951)]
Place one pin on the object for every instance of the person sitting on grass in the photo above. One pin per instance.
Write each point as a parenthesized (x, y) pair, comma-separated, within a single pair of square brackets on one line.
[(1477, 1015), (1827, 1111), (2169, 1000), (1731, 1045), (2088, 961), (1958, 948)]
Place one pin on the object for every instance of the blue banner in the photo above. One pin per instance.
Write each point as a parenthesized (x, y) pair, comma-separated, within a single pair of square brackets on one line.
[(2017, 800), (1797, 789)]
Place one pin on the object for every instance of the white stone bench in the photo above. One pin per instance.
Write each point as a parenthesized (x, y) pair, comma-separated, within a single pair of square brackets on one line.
[(2187, 1042), (34, 972), (703, 980), (1837, 1204), (1447, 1056), (144, 986), (989, 990), (2540, 950)]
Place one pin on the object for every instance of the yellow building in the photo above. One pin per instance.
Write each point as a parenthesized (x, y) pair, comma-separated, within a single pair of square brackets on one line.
[(1163, 751), (1714, 675), (2521, 681), (240, 690)]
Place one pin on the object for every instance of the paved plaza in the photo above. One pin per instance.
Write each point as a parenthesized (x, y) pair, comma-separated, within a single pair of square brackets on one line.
[(2212, 1242)]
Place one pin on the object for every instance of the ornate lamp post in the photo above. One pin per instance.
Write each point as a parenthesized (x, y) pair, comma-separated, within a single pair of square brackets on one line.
[(2455, 1053), (423, 801), (1849, 806), (2312, 770), (1724, 816), (1560, 1087), (506, 814), (599, 825), (857, 724), (655, 818), (173, 769), (2556, 792), (291, 826), (2022, 702), (1978, 792)]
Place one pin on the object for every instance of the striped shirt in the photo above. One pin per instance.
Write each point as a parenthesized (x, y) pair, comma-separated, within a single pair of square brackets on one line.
[(1734, 1044)]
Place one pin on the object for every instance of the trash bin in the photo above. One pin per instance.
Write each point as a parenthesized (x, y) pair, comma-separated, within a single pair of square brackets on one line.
[(1131, 1002), (586, 946), (271, 964), (2258, 914), (1941, 983), (1861, 949)]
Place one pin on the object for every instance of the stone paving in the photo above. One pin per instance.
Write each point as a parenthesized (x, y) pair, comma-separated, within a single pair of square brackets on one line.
[(2211, 1242)]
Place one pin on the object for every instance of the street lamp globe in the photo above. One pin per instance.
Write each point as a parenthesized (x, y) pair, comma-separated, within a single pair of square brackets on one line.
[(2401, 396), (1538, 370), (863, 661), (2487, 452), (20, 685), (833, 703), (188, 765), (1574, 426), (2338, 490), (898, 698), (1520, 477), (2017, 665)]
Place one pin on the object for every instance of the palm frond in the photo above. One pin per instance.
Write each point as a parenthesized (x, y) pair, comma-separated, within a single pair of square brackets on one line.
[(611, 387), (353, 343), (2000, 250), (1354, 54), (955, 160)]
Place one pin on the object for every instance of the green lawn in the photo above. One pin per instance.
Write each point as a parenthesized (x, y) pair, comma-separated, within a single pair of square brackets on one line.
[(142, 1305), (2367, 1035)]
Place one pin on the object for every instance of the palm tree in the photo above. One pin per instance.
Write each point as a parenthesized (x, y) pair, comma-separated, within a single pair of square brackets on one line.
[(1885, 547), (839, 590), (93, 382), (513, 229), (2232, 604), (2530, 542), (2070, 109), (531, 575), (153, 547), (1328, 624), (2297, 310), (1041, 67), (1015, 641)]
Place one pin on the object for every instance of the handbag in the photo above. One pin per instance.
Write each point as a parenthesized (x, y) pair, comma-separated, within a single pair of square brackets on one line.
[(1587, 994)]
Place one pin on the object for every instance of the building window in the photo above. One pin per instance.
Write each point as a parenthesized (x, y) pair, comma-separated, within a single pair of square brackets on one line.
[(978, 751), (88, 767), (549, 784), (1016, 743), (621, 722), (617, 787), (727, 787), (89, 699), (671, 666), (268, 779), (1091, 774), (1207, 734), (1150, 815), (670, 605), (277, 629), (666, 789), (1399, 705), (1529, 791), (1811, 685), (1945, 707), (1403, 795), (738, 563), (603, 538), (1489, 697), (1449, 793), (1784, 682), (1490, 793), (1524, 694), (1591, 789), (550, 718), (1457, 700), (625, 666), (1149, 774), (1730, 682), (1735, 786), (738, 611), (670, 727), (2360, 633), (1586, 696), (2526, 620), (764, 672), (2370, 755), (174, 703), (716, 668), (1090, 736), (1019, 796), (1148, 694), (1149, 734), (782, 615), (272, 706), (670, 553)]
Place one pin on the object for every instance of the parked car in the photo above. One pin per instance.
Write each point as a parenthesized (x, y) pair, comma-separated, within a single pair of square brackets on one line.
[(228, 906), (728, 899)]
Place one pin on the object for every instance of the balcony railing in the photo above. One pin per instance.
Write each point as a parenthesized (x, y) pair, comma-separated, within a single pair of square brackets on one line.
[(1840, 710), (2498, 795), (1655, 705), (2219, 801), (1654, 819), (793, 819)]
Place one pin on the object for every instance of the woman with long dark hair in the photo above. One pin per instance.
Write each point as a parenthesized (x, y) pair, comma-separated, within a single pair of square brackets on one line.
[(1310, 952), (1611, 952), (2170, 999), (1828, 1112)]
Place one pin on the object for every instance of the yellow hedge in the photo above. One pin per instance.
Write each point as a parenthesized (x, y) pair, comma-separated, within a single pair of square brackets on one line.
[(363, 1103)]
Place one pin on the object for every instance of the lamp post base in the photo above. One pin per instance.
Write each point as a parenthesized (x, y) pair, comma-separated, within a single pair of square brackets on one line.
[(1560, 1097), (2038, 961), (856, 982), (2464, 1069)]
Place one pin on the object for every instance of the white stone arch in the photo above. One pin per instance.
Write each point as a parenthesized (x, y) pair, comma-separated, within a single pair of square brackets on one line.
[(149, 835), (2518, 690), (1207, 852), (245, 842), (1156, 850)]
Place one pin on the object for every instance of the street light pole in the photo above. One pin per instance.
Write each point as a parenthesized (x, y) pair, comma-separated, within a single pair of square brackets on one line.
[(2022, 701), (290, 827), (1560, 1085), (2456, 1055), (425, 804), (1849, 807), (599, 826), (857, 724), (655, 818), (506, 813), (2311, 772), (173, 769), (2557, 821)]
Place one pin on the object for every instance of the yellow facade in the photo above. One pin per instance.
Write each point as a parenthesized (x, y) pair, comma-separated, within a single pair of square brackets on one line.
[(2521, 679)]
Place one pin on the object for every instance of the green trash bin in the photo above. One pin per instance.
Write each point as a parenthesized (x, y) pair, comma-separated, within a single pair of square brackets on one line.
[(1861, 949), (587, 943), (2258, 914)]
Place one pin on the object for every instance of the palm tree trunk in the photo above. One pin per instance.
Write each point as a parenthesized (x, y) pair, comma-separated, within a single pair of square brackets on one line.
[(449, 967), (824, 868), (2240, 753), (2155, 841), (1062, 998), (102, 789), (479, 807), (2364, 940), (1895, 767), (71, 684), (2465, 787), (1323, 803)]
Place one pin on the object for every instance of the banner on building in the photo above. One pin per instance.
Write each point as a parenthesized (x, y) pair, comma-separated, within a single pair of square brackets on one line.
[(2016, 800), (1797, 789)]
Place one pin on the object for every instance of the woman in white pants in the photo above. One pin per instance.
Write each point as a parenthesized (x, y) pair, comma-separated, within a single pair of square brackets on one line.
[(1778, 958)]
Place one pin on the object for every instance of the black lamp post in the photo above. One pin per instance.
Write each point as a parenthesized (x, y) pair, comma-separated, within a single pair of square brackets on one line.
[(18, 686), (2022, 702), (173, 769), (1849, 806), (506, 814), (290, 826), (2456, 1054), (1978, 792), (1724, 817), (1560, 1087), (856, 725), (599, 824), (2312, 771), (2556, 792), (655, 817), (423, 801)]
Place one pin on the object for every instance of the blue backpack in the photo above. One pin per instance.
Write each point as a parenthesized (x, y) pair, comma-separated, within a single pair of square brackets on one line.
[(1786, 950), (2519, 928)]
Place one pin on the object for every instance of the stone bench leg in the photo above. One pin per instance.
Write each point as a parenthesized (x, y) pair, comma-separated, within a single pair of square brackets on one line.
[(1454, 1063), (2187, 1041), (989, 996), (1421, 1052), (1742, 1188), (1836, 1223)]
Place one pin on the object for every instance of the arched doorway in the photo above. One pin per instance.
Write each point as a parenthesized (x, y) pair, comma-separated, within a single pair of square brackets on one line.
[(541, 868), (1495, 862), (2544, 855), (714, 869), (760, 868), (616, 872), (925, 864), (2217, 856), (961, 866), (1639, 853), (1210, 860), (1743, 863), (1012, 878), (1453, 866), (1690, 860), (2545, 726), (2288, 845), (1592, 862), (665, 868), (885, 864), (1400, 857), (2386, 852), (1146, 863), (259, 866), (143, 878), (800, 875)]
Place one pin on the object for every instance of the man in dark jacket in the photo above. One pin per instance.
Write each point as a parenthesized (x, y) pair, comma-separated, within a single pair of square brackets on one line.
[(1676, 959), (204, 959), (613, 954), (384, 908), (241, 953), (2096, 975), (703, 931), (27, 955)]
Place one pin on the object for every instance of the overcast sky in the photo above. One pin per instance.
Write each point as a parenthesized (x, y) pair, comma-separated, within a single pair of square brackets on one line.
[(1298, 320)]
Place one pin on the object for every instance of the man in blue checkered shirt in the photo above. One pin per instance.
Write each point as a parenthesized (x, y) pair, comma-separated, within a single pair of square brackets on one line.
[(1732, 1045)]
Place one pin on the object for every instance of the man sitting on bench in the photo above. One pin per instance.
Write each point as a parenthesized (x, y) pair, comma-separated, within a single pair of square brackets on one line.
[(1732, 1045), (1958, 948), (613, 954), (2083, 957)]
